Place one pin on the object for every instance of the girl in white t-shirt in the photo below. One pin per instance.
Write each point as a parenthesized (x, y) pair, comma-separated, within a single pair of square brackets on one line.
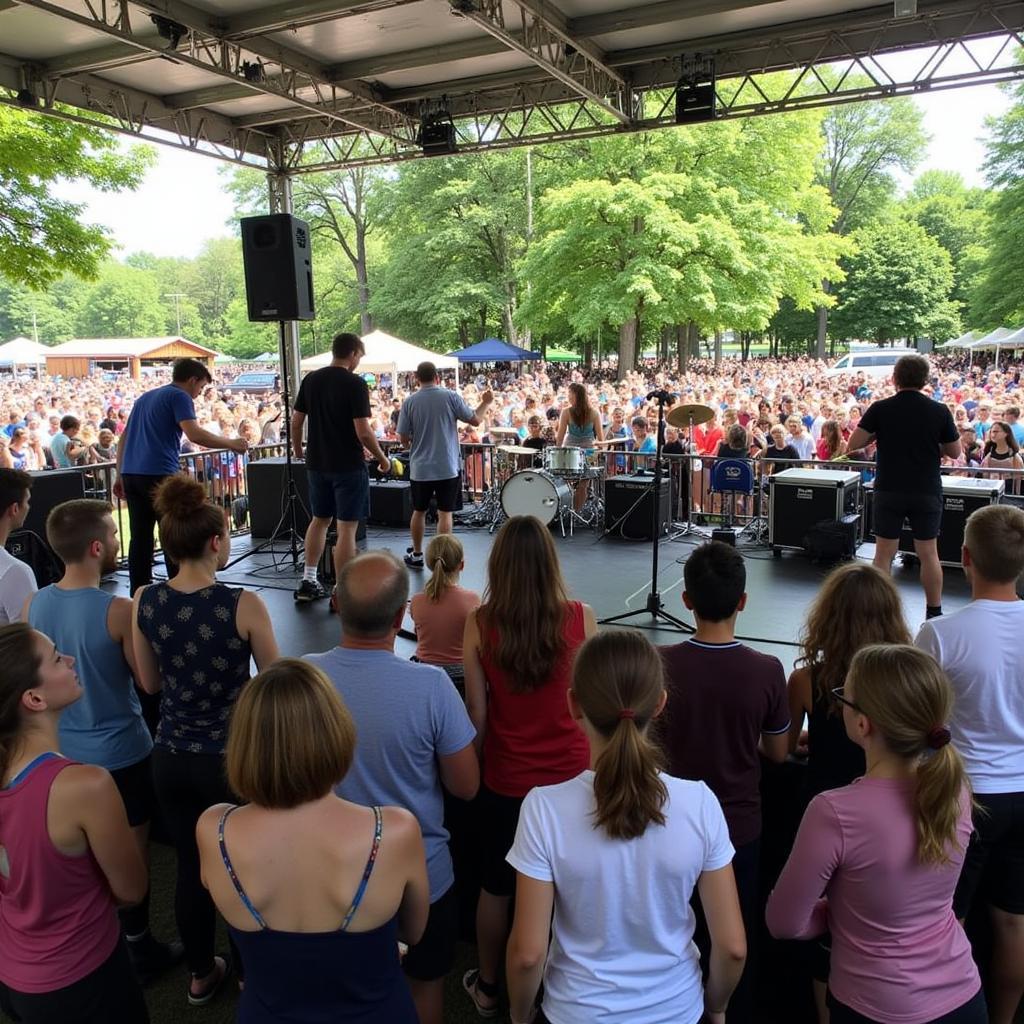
[(616, 853)]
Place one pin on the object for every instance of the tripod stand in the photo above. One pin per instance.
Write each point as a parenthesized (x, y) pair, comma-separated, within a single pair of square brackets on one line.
[(287, 527), (654, 607)]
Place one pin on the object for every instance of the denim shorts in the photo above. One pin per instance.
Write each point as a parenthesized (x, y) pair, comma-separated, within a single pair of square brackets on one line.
[(343, 496)]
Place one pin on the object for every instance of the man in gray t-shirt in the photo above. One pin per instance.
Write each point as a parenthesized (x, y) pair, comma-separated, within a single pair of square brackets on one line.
[(414, 736), (427, 424)]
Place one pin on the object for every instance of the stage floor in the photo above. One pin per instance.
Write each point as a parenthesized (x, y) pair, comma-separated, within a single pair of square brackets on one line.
[(612, 576)]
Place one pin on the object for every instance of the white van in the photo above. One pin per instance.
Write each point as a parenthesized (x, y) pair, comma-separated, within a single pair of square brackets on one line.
[(874, 362)]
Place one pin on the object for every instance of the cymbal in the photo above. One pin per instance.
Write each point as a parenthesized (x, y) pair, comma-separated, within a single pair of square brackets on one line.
[(516, 449), (684, 415), (609, 441), (504, 430)]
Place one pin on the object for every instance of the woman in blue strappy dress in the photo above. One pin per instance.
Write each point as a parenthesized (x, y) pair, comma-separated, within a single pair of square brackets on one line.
[(317, 892)]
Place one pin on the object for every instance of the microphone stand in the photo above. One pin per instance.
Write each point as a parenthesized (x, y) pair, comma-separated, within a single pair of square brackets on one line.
[(654, 606)]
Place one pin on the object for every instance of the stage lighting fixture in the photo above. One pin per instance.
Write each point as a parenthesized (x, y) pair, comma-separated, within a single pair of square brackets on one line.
[(695, 91), (437, 131), (27, 98), (252, 71), (172, 31)]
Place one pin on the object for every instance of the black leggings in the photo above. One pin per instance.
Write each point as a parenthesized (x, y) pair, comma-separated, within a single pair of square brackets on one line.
[(974, 1011), (186, 784), (110, 993)]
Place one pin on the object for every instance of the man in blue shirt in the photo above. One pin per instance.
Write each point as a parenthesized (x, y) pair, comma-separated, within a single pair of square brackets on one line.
[(105, 726), (414, 736), (148, 453), (65, 446), (427, 424)]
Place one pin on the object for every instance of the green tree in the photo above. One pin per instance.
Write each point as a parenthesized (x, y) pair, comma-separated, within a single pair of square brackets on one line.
[(864, 144), (212, 281), (897, 286), (41, 236), (999, 296), (123, 303)]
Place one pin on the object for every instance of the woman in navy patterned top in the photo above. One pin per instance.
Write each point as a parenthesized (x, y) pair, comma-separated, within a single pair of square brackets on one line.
[(193, 640)]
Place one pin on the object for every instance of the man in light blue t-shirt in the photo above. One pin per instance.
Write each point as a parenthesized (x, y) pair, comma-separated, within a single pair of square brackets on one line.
[(427, 424), (65, 446), (414, 735)]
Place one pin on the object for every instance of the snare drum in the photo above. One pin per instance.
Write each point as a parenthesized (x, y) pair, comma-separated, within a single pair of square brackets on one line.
[(536, 493), (567, 461)]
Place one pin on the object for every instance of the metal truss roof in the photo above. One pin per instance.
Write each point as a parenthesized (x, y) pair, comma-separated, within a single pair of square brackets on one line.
[(303, 85)]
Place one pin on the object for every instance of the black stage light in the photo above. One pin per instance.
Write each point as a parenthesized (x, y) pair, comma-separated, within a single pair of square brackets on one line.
[(437, 130), (172, 31)]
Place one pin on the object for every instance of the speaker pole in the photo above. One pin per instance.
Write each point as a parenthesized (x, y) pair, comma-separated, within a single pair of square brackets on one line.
[(288, 524), (654, 607)]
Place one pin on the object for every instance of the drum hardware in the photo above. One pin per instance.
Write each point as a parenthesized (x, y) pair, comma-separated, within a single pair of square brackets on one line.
[(686, 417)]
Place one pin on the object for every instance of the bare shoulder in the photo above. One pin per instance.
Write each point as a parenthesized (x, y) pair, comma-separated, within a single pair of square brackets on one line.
[(399, 823), (209, 820), (83, 782)]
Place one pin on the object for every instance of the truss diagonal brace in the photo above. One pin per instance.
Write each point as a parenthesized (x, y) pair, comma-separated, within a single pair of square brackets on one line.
[(546, 41)]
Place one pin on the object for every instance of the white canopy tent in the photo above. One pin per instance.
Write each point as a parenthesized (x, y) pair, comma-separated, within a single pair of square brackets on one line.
[(964, 341), (22, 352), (1000, 338), (385, 354)]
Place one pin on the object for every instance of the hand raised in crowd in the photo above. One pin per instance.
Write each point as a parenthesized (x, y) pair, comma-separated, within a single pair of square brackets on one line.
[(487, 397), (237, 444)]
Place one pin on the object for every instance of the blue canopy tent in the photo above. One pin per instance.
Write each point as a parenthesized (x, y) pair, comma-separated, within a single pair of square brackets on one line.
[(493, 350)]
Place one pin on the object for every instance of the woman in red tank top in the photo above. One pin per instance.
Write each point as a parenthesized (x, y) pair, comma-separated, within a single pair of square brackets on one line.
[(518, 649), (67, 855)]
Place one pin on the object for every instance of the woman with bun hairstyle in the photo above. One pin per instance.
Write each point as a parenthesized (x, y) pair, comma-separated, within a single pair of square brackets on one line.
[(317, 891), (68, 855), (615, 854), (441, 609), (877, 862), (193, 640)]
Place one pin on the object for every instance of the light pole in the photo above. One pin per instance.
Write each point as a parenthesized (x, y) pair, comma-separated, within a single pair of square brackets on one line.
[(177, 296)]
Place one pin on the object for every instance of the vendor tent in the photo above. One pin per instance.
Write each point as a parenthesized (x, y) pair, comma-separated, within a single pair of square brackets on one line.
[(964, 341), (385, 354), (1000, 338), (493, 350), (22, 352)]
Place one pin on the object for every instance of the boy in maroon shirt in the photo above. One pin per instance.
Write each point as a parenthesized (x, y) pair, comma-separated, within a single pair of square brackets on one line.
[(726, 707)]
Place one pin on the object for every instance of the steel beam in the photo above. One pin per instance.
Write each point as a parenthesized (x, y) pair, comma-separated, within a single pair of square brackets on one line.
[(298, 14)]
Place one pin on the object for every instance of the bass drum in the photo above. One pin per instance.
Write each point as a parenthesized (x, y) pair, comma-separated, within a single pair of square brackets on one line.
[(535, 493)]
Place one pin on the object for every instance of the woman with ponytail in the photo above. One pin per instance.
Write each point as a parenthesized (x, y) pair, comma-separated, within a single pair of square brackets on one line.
[(440, 610), (616, 854), (193, 640), (877, 862), (67, 855)]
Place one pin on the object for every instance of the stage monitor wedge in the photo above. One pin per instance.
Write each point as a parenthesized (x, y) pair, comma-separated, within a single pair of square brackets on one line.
[(278, 258)]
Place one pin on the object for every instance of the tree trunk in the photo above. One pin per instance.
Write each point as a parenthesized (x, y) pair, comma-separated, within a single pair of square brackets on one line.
[(682, 348), (362, 281), (718, 349), (588, 354), (627, 347), (463, 334), (745, 339), (822, 311)]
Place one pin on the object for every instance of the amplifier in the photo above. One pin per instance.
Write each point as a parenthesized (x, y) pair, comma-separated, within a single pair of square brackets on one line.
[(51, 487), (627, 506), (28, 547), (390, 502), (265, 482), (799, 499)]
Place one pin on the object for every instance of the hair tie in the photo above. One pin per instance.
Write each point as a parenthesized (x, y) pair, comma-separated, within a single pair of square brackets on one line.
[(938, 737), (626, 713)]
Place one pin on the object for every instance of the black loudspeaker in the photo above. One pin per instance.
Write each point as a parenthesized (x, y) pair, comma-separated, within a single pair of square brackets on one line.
[(31, 549), (627, 506), (51, 487), (278, 258), (265, 481), (390, 502)]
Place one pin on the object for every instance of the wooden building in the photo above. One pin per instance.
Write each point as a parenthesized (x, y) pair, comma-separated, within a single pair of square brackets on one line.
[(82, 356)]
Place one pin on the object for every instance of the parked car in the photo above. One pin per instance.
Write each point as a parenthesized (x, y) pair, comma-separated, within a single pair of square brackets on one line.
[(875, 363), (254, 383)]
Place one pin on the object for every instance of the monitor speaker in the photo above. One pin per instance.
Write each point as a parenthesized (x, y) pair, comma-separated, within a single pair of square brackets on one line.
[(695, 102), (627, 511), (51, 487), (278, 259)]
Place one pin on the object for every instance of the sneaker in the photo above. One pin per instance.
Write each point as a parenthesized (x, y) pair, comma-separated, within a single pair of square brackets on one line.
[(309, 591), (414, 560), (150, 958)]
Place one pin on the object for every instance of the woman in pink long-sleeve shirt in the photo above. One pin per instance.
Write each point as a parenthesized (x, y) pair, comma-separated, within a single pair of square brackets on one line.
[(876, 862)]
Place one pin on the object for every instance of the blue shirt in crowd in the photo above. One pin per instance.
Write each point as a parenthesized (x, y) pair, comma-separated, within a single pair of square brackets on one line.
[(152, 437)]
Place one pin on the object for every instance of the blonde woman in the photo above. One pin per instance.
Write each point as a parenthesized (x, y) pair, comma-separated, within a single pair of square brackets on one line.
[(876, 863)]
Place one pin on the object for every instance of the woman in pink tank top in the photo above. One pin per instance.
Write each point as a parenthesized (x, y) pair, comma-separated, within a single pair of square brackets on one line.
[(67, 855)]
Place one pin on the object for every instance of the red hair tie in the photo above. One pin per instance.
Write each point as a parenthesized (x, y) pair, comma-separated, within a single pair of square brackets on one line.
[(938, 737), (626, 713)]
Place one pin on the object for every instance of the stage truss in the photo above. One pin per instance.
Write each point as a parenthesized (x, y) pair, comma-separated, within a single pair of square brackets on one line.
[(317, 115)]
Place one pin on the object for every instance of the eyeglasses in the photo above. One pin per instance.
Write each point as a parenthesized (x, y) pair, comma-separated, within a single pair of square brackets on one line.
[(837, 693)]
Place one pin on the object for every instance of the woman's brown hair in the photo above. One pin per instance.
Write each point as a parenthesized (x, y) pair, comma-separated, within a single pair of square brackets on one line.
[(618, 681), (291, 739), (909, 700), (525, 604), (187, 519), (833, 438), (444, 560), (21, 664), (856, 605), (579, 405)]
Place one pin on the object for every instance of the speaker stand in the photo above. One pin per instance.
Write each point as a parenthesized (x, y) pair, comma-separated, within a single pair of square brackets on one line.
[(654, 608), (287, 526)]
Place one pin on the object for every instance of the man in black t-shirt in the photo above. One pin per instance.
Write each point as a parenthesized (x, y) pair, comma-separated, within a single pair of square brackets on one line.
[(912, 432), (337, 404)]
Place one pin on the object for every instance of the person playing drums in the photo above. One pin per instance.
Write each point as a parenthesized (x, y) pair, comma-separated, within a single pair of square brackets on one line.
[(579, 426)]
